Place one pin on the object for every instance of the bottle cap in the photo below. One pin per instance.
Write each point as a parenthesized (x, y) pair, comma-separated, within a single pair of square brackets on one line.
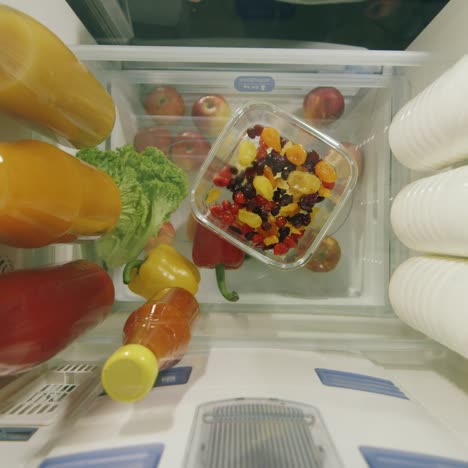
[(129, 374)]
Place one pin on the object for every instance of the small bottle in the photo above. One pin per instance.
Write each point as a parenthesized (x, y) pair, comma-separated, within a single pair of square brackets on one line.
[(42, 83), (48, 196), (155, 336)]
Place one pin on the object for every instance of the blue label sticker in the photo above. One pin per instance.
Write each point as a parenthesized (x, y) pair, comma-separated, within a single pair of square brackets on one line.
[(385, 458), (16, 434), (361, 382), (172, 376), (254, 84), (144, 456)]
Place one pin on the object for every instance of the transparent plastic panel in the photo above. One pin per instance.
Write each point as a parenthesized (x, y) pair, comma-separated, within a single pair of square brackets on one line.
[(252, 433)]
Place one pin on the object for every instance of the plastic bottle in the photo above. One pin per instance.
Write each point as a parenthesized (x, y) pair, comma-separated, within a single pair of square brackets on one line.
[(42, 310), (429, 215), (429, 132), (48, 196), (156, 336), (44, 84)]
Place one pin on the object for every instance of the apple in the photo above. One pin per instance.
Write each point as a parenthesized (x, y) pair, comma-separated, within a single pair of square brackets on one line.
[(326, 257), (323, 104), (166, 102), (153, 136), (210, 114), (189, 150)]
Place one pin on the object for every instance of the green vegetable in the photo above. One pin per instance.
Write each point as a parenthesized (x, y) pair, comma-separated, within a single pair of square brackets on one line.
[(151, 187)]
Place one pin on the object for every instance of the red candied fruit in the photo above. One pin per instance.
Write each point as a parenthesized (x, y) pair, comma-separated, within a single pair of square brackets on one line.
[(280, 248), (290, 241), (216, 210), (240, 198)]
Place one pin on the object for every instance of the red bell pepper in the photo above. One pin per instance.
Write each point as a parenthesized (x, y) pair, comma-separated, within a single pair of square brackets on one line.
[(212, 251)]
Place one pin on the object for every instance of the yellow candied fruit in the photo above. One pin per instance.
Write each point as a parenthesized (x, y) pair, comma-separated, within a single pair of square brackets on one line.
[(272, 138), (296, 154), (324, 192), (251, 219), (290, 210), (303, 182), (286, 147), (212, 196), (271, 240), (325, 172), (263, 187), (282, 184), (247, 152)]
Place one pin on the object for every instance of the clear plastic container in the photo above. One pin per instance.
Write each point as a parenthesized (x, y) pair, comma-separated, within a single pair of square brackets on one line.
[(225, 152)]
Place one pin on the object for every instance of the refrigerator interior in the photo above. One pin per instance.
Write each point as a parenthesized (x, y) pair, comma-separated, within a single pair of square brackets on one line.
[(341, 319)]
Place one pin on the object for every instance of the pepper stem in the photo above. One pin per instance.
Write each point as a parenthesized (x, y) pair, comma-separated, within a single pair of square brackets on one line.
[(128, 270), (221, 280)]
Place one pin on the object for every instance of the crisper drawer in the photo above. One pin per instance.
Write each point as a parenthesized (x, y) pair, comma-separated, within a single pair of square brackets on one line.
[(373, 86)]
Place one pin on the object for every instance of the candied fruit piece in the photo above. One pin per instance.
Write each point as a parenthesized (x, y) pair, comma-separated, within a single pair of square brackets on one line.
[(271, 137), (247, 152), (325, 172), (303, 182), (251, 219), (271, 240), (290, 210), (324, 192), (296, 154), (263, 187), (212, 196), (268, 173)]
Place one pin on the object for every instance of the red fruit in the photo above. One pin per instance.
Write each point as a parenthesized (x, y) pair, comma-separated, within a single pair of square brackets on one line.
[(260, 200), (281, 221), (234, 209), (153, 136), (280, 248), (226, 205), (257, 239), (290, 241), (323, 103), (240, 198), (216, 210), (166, 102), (228, 218), (328, 185), (261, 153), (189, 150), (210, 114), (220, 181), (245, 228)]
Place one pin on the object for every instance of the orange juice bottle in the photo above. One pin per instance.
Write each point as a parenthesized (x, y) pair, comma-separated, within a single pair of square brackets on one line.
[(43, 83), (48, 196), (156, 337)]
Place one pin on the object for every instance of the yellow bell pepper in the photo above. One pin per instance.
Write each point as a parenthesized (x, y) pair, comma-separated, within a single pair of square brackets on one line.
[(164, 267)]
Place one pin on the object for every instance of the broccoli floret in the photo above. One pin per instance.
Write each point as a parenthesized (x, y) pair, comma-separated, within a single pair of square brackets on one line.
[(151, 187)]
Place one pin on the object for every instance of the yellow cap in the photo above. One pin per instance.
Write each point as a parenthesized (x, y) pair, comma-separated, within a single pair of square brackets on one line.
[(129, 374)]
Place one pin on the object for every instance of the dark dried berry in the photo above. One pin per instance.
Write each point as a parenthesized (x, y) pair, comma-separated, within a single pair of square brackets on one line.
[(260, 166), (283, 232), (285, 173), (306, 219), (249, 190), (231, 185), (258, 129), (251, 133), (249, 235), (307, 202), (296, 220), (286, 199), (309, 166), (283, 141), (263, 213), (234, 170), (320, 199), (251, 205), (277, 194), (275, 210), (257, 210), (235, 229), (266, 226), (313, 157)]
